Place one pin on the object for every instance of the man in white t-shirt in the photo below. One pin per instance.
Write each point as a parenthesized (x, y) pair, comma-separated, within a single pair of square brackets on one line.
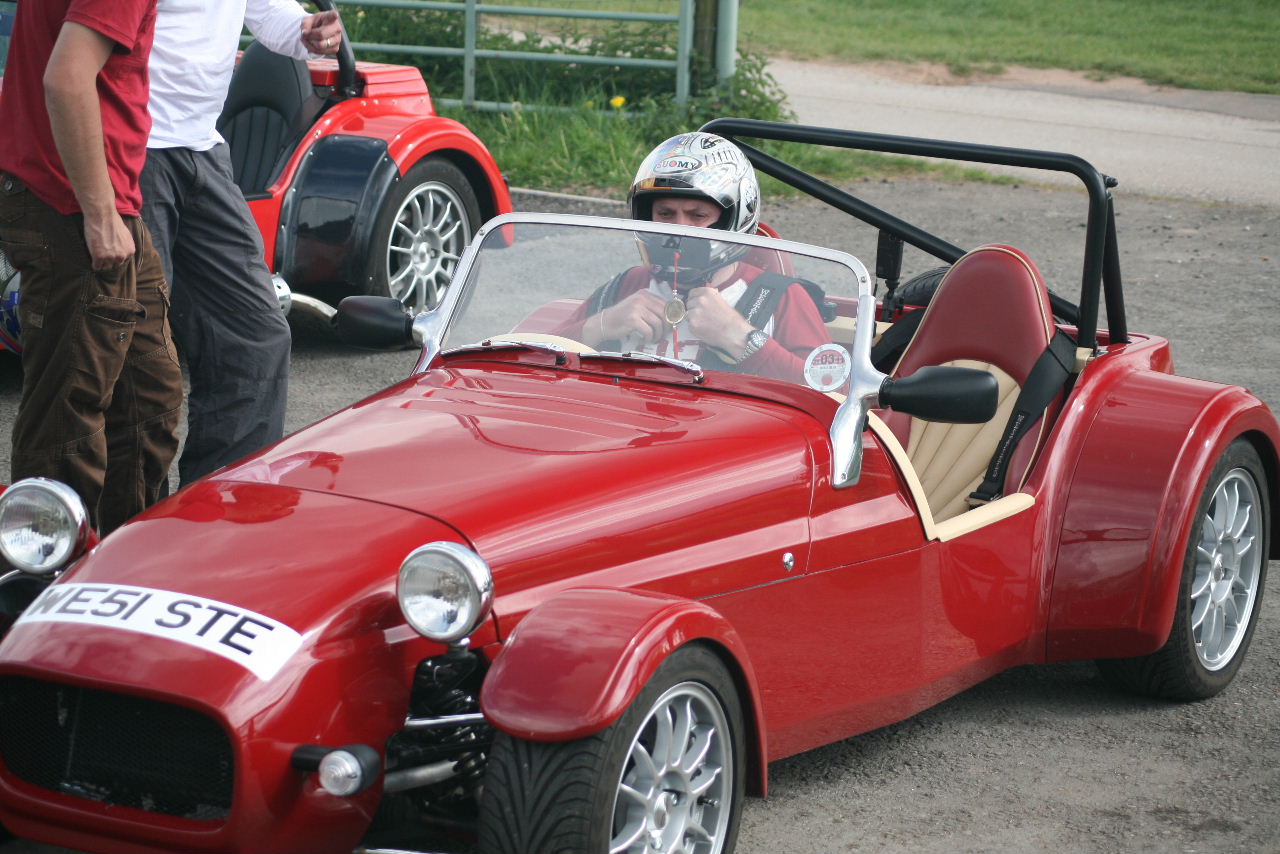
[(225, 315)]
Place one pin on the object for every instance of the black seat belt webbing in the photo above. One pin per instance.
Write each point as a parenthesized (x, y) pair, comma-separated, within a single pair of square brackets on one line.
[(1049, 374)]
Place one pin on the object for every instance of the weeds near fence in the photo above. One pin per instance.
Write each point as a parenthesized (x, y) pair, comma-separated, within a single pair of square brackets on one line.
[(585, 128)]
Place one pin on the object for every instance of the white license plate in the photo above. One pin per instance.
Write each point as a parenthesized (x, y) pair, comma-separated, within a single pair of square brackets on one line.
[(258, 643)]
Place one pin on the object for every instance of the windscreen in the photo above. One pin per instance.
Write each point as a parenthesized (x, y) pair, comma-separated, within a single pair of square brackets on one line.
[(767, 308)]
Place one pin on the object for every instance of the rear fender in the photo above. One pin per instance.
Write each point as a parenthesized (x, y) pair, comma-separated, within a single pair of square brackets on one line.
[(577, 661), (441, 137), (1137, 483), (327, 219)]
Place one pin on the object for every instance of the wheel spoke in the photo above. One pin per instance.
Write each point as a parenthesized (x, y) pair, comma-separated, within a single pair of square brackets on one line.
[(1230, 614), (1202, 580), (1221, 513), (1244, 544), (641, 799), (698, 832), (400, 250), (631, 834), (663, 735), (703, 737), (682, 734), (453, 229), (1245, 516), (1211, 637), (1199, 610), (408, 232), (446, 211), (1232, 495), (643, 763), (704, 780), (416, 214), (401, 274)]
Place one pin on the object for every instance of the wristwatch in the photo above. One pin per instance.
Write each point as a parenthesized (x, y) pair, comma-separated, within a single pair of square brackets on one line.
[(756, 339)]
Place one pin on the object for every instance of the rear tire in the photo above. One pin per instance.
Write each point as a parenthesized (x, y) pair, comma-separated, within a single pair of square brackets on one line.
[(425, 222), (669, 772), (1223, 575)]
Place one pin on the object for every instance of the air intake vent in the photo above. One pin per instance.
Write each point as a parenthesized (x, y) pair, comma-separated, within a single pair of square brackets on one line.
[(116, 749)]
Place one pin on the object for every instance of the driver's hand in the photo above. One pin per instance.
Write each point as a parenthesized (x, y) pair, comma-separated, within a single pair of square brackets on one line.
[(639, 314), (716, 322)]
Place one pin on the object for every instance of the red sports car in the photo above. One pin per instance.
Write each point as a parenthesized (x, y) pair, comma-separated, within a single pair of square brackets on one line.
[(627, 580), (356, 184)]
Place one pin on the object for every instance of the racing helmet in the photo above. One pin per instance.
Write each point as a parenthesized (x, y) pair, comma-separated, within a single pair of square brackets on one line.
[(701, 166)]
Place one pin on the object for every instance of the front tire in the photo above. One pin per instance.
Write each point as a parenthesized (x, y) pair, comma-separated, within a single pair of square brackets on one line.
[(425, 222), (1223, 575), (666, 776)]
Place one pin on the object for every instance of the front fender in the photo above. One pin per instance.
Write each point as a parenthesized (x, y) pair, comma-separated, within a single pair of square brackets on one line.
[(577, 661), (1137, 483)]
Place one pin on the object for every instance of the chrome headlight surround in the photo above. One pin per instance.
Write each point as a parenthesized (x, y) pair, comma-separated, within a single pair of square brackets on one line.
[(43, 525), (445, 591)]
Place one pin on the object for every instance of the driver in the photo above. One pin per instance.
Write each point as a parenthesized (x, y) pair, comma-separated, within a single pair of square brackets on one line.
[(707, 304)]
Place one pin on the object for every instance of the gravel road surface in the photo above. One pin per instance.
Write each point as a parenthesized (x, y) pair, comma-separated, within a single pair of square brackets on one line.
[(1217, 146), (1040, 758)]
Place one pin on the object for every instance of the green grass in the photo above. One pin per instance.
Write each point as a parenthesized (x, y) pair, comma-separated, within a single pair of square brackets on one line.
[(1197, 44), (586, 146), (594, 152)]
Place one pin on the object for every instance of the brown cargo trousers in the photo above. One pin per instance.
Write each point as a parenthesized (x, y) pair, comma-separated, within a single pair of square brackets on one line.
[(101, 389)]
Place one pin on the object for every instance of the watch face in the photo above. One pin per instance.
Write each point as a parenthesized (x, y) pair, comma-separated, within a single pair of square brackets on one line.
[(756, 339)]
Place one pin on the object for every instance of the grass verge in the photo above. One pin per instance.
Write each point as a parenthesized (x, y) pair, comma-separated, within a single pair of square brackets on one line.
[(604, 119)]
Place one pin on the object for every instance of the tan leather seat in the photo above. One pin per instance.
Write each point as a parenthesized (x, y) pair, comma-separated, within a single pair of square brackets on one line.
[(991, 311)]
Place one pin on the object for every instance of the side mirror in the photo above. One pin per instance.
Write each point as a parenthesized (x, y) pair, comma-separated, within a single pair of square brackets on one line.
[(939, 393), (374, 323)]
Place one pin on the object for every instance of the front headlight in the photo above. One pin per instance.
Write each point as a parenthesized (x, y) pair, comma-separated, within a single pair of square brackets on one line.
[(43, 525), (445, 591)]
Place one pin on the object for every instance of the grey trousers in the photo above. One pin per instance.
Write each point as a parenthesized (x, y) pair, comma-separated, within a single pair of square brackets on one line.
[(226, 319)]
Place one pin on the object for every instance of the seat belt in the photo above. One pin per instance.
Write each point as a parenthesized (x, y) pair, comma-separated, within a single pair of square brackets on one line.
[(1048, 375), (888, 348)]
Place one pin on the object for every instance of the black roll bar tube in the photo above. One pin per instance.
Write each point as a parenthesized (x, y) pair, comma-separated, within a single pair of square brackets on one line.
[(1099, 228)]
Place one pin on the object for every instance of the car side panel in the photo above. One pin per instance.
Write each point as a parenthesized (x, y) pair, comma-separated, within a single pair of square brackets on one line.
[(1141, 468)]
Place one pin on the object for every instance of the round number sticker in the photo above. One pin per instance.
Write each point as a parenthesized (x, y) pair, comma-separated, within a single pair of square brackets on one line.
[(827, 368)]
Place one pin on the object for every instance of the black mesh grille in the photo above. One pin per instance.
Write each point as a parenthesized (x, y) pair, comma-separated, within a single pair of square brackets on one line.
[(115, 748)]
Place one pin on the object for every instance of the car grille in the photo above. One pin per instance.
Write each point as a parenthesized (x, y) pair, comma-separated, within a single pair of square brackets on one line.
[(116, 748)]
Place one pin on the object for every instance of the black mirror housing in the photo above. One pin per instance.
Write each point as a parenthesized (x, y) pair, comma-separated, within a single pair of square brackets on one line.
[(943, 393), (374, 323)]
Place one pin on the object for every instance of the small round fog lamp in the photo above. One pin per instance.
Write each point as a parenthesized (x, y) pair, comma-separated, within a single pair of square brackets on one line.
[(349, 770), (43, 525), (340, 774)]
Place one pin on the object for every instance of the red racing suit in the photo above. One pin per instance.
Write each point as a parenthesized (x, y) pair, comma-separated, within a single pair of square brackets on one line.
[(794, 325)]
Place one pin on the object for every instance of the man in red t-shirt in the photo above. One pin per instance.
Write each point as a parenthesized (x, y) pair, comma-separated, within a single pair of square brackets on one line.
[(102, 391)]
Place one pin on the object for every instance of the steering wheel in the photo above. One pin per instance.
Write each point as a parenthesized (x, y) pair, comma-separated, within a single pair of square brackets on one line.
[(568, 344), (346, 56)]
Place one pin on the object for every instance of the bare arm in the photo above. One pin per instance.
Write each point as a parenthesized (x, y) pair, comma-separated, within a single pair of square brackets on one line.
[(75, 115)]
